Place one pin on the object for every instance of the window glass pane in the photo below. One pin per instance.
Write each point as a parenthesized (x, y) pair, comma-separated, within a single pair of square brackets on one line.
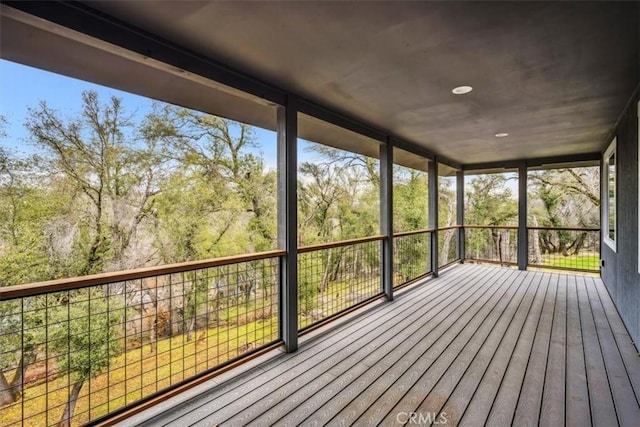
[(612, 195)]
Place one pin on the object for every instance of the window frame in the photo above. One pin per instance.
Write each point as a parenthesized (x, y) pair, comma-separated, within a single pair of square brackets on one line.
[(611, 150)]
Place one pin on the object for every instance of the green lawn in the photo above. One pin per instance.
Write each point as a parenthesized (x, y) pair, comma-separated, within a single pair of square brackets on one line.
[(582, 262)]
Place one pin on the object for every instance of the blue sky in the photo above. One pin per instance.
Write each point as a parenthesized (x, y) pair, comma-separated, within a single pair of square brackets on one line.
[(22, 87)]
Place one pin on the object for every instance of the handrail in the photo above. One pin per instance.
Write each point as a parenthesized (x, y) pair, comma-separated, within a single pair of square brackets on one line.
[(563, 228), (449, 227), (515, 227), (72, 283), (495, 227), (412, 233), (349, 242)]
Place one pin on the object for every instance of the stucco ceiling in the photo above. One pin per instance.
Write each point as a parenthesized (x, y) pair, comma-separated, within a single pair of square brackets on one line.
[(555, 75)]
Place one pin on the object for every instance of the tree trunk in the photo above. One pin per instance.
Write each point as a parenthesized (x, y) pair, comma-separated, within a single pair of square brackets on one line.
[(153, 334), (446, 244), (495, 245), (336, 267), (11, 392), (537, 253), (6, 395), (65, 421), (27, 358), (191, 327), (327, 270), (504, 241), (579, 243)]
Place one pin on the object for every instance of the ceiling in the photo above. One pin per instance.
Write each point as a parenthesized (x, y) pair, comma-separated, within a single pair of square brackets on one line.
[(555, 75)]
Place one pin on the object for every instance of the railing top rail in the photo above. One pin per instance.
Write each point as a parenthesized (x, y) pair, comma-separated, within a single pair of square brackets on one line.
[(497, 227), (68, 284), (349, 242), (564, 228), (414, 232), (449, 227)]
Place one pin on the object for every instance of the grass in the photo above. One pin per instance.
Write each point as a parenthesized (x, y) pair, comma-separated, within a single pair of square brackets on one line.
[(138, 373), (583, 262)]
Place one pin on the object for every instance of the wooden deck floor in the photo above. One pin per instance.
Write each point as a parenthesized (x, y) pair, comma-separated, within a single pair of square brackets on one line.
[(477, 346)]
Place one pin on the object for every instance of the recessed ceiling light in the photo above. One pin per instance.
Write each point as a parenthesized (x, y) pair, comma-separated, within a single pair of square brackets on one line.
[(501, 134), (461, 90)]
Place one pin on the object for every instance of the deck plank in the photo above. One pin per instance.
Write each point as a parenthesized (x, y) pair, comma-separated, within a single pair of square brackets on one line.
[(484, 344), (603, 411), (480, 403), (577, 394), (459, 383), (627, 350), (448, 364), (552, 412), (530, 400), (624, 397), (415, 361)]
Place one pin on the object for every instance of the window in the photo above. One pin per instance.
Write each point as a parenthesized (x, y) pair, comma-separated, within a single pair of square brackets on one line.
[(609, 208)]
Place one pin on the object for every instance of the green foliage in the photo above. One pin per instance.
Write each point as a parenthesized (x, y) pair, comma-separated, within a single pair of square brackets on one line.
[(83, 331), (410, 199), (490, 202), (308, 280)]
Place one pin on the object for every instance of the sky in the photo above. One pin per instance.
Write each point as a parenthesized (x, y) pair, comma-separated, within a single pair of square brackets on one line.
[(22, 87)]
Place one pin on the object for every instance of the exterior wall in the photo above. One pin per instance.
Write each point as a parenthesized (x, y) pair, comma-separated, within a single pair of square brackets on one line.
[(620, 271)]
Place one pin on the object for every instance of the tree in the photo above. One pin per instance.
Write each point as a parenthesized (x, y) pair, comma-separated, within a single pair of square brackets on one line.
[(564, 198), (84, 337), (113, 173), (22, 259), (410, 201), (489, 201), (446, 217), (220, 154)]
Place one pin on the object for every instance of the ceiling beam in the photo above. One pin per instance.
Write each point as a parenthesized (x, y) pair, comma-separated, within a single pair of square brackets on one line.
[(535, 162)]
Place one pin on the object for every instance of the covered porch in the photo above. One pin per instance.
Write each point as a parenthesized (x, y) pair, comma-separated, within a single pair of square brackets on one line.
[(438, 319)]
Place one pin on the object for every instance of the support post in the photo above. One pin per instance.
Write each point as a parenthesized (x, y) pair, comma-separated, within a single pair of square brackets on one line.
[(386, 217), (523, 238), (460, 214), (288, 222), (433, 213)]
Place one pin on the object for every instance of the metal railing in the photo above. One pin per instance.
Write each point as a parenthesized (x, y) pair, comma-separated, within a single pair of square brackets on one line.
[(558, 248), (411, 256), (448, 245), (334, 277), (574, 249), (491, 244), (80, 349)]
